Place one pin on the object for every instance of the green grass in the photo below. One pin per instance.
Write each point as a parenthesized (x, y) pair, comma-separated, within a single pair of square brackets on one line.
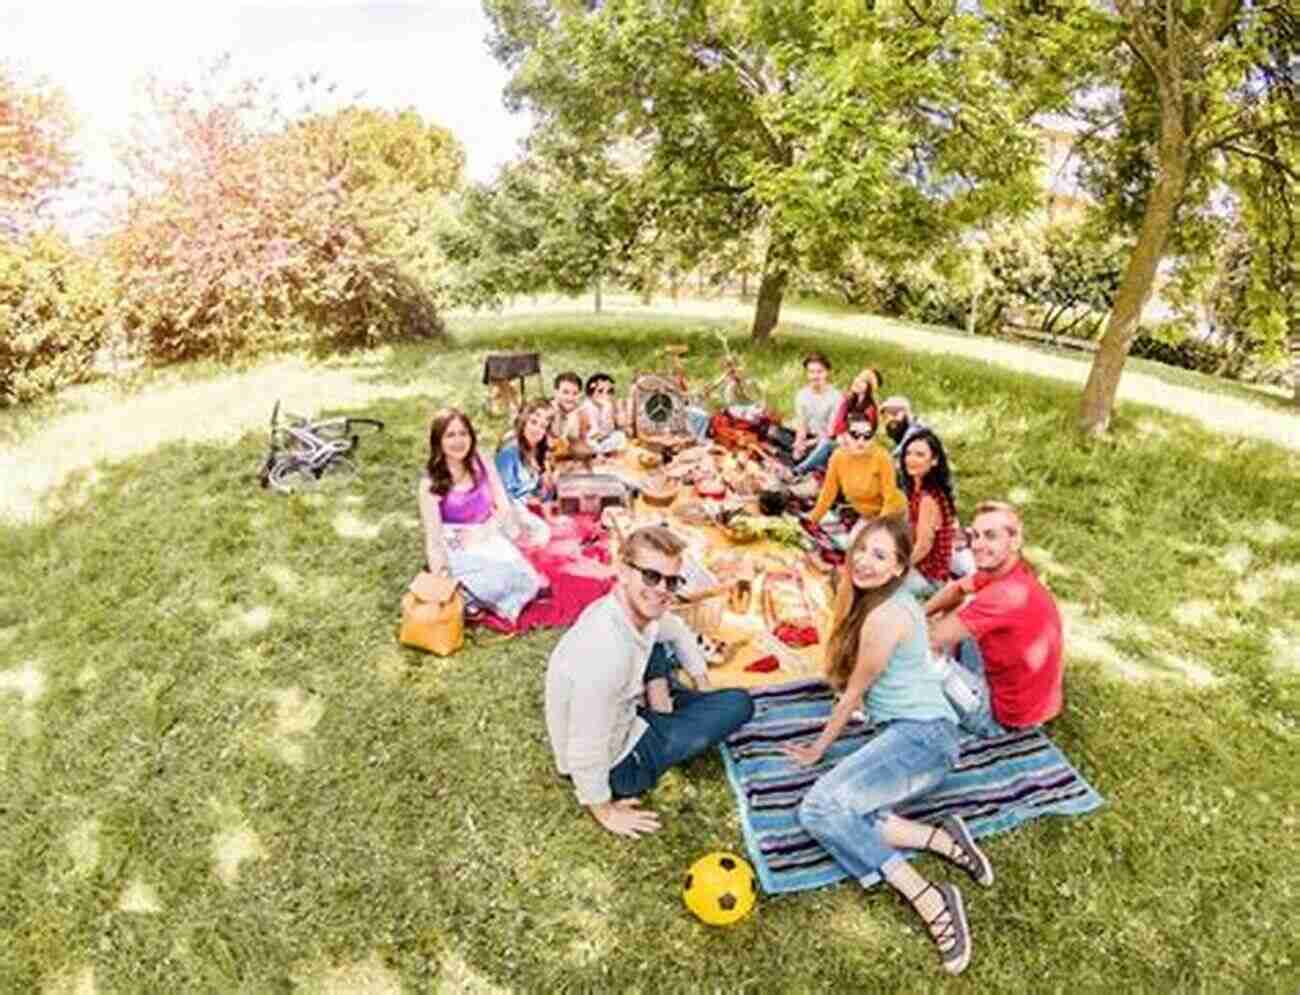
[(1274, 398), (185, 658)]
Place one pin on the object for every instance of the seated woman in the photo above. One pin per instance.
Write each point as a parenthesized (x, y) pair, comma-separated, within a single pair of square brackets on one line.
[(521, 464), (603, 415), (863, 472), (470, 523), (859, 402), (881, 648), (931, 512)]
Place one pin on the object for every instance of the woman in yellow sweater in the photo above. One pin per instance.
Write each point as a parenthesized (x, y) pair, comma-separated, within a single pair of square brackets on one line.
[(863, 472)]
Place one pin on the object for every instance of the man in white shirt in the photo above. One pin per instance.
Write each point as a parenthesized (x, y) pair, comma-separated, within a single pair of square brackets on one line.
[(604, 735)]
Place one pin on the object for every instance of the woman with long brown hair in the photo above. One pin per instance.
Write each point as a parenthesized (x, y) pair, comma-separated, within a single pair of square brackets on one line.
[(470, 524), (880, 649)]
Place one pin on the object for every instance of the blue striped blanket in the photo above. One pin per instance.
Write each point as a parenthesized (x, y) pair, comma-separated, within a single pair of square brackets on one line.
[(997, 784)]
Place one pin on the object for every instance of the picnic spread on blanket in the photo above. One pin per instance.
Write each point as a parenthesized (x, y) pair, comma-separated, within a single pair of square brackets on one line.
[(765, 611), (782, 534)]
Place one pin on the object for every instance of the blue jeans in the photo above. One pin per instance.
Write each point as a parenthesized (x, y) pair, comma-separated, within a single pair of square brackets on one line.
[(847, 807), (817, 458), (978, 719), (699, 720)]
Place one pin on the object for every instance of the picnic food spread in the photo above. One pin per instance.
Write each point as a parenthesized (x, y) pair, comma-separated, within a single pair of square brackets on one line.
[(761, 609)]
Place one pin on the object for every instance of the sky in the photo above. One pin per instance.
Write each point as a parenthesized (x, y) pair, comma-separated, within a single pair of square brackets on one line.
[(431, 56)]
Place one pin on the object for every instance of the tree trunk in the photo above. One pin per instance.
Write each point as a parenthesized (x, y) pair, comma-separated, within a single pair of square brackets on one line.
[(767, 312), (771, 289), (596, 294), (744, 285), (1134, 291), (1294, 340)]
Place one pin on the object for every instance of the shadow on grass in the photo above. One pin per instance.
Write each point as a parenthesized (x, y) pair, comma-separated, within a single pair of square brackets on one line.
[(212, 654)]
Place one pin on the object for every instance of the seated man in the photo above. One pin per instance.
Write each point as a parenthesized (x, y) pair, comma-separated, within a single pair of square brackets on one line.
[(815, 407), (569, 421), (900, 425), (604, 737), (1008, 635)]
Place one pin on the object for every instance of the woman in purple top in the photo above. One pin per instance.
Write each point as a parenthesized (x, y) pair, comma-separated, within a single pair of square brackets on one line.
[(471, 527)]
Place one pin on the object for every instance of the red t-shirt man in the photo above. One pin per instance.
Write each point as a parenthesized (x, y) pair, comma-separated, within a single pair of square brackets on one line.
[(1015, 621)]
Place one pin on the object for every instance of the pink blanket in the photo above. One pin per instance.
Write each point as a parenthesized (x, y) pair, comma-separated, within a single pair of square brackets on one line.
[(576, 562)]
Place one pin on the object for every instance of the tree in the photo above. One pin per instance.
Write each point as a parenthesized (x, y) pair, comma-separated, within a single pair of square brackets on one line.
[(1185, 90), (549, 222), (247, 230), (36, 158), (380, 148), (814, 124)]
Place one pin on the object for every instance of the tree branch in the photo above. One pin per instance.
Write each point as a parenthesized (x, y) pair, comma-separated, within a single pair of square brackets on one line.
[(1264, 157)]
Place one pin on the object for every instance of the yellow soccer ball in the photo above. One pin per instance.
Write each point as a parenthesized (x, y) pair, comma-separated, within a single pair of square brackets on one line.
[(720, 888)]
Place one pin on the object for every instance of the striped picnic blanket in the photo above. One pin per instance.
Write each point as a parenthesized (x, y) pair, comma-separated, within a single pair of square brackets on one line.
[(997, 784)]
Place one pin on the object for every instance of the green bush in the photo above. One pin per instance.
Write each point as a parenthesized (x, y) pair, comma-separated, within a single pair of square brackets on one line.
[(54, 314)]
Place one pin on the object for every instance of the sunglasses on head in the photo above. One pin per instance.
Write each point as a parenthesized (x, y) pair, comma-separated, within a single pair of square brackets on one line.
[(651, 578)]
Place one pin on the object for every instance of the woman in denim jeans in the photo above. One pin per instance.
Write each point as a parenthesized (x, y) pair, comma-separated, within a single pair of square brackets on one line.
[(880, 648)]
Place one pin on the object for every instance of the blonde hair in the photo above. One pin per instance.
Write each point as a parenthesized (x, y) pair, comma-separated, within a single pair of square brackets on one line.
[(1017, 527), (656, 537)]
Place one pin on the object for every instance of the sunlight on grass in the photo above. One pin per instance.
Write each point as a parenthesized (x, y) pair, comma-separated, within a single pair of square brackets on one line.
[(1285, 647), (245, 622), (367, 977), (296, 716), (456, 977), (139, 897), (23, 687), (1095, 639), (1237, 557), (219, 410), (74, 981), (232, 847), (1272, 532), (83, 845), (1198, 612), (350, 526)]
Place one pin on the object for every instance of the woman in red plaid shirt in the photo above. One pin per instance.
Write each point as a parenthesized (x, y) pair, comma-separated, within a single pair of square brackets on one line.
[(931, 512)]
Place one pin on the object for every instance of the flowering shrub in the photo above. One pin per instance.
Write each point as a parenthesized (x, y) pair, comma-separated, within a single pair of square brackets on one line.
[(245, 232), (54, 307)]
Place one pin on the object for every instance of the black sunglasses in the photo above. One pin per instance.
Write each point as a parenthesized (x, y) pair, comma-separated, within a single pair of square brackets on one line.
[(860, 436), (651, 578)]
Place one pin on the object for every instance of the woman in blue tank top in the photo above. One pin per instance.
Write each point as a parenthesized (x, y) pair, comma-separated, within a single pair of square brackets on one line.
[(880, 649)]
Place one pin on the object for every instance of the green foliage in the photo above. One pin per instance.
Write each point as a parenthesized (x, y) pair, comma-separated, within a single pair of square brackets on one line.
[(543, 226), (54, 315), (245, 233), (816, 126), (379, 148), (1063, 277)]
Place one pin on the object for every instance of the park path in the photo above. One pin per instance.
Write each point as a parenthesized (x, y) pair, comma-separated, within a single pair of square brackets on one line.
[(108, 427), (1218, 412)]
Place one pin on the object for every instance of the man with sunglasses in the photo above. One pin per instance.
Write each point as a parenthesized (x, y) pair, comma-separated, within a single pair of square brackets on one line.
[(604, 735), (1007, 637)]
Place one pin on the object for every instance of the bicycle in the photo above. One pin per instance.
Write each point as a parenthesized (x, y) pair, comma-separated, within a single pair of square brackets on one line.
[(303, 452), (735, 386)]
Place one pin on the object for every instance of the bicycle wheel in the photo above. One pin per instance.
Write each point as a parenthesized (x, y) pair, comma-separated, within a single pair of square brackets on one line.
[(338, 469), (289, 475)]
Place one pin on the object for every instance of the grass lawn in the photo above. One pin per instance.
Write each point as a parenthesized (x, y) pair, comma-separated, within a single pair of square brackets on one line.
[(219, 773)]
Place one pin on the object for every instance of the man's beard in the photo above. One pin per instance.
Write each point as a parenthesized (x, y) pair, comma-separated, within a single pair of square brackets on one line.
[(897, 429)]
